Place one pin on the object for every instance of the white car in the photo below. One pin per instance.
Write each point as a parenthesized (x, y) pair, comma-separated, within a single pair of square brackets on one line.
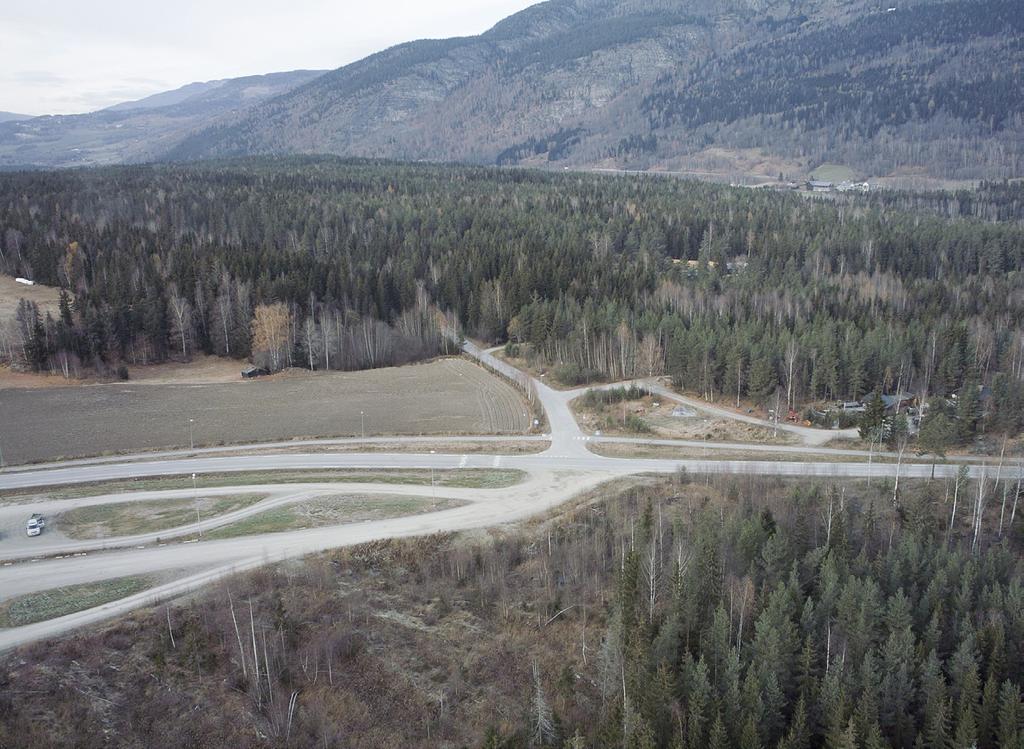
[(35, 525)]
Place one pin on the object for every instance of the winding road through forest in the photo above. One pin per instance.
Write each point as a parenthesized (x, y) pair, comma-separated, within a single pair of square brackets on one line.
[(565, 469)]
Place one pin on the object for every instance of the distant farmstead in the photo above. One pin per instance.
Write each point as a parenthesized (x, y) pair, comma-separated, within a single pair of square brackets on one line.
[(817, 185)]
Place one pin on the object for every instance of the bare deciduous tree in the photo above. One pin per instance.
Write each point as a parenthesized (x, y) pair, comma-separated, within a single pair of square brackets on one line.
[(270, 324)]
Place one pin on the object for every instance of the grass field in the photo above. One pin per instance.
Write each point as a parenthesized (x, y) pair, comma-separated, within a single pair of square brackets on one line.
[(834, 173), (467, 478), (332, 511), (446, 396), (49, 604), (11, 291), (131, 518)]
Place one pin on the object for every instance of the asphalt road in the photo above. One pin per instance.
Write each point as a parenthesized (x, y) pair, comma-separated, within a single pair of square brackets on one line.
[(564, 470)]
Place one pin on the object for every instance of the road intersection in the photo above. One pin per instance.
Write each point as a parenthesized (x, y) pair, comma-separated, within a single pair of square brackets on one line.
[(563, 470)]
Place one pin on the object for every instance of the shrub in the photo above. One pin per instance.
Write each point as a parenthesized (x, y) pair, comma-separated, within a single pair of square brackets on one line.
[(574, 374)]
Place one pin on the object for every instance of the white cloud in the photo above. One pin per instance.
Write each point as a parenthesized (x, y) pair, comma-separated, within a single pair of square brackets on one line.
[(68, 56)]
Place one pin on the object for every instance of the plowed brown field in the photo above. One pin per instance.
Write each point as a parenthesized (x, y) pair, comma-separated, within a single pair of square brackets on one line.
[(446, 396)]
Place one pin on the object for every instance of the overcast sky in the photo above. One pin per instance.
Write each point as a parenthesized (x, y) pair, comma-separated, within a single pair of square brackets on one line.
[(68, 56)]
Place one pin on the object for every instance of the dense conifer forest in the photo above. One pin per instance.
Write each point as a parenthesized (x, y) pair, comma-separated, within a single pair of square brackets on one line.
[(324, 263)]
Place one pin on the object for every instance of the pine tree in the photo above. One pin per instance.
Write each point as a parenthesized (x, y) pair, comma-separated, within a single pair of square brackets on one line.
[(966, 729), (718, 738), (763, 377), (988, 716), (1009, 734), (873, 419), (748, 736), (968, 410), (698, 706), (799, 735), (846, 739), (936, 718)]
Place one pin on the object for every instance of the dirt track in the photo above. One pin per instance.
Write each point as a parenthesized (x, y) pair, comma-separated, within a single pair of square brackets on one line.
[(448, 396)]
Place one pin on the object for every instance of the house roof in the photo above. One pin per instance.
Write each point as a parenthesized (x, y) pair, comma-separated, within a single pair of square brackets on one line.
[(892, 400)]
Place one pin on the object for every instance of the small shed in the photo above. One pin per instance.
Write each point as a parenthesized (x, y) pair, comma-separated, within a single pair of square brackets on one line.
[(253, 371)]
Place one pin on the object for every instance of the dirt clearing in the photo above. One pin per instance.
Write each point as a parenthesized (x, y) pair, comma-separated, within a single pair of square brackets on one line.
[(657, 417), (446, 396)]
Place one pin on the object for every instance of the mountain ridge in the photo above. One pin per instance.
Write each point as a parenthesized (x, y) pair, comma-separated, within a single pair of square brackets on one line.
[(929, 89)]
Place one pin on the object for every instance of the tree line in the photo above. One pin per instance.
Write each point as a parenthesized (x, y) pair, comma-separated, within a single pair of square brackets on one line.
[(732, 292)]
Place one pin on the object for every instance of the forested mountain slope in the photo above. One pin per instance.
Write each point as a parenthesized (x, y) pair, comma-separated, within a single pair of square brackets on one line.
[(926, 88), (138, 130)]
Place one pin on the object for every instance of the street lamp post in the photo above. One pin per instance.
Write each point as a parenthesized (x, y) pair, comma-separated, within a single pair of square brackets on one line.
[(191, 441), (362, 424)]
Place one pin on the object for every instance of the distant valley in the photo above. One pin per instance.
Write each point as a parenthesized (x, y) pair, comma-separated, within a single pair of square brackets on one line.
[(136, 131)]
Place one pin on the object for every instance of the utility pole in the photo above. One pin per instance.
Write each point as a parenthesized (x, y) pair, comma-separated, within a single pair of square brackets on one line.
[(433, 491), (195, 499), (778, 394)]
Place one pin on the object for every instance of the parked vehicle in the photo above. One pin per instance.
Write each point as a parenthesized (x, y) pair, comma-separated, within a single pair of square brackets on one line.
[(35, 525)]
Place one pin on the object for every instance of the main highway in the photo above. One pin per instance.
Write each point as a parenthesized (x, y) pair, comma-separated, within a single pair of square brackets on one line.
[(565, 468)]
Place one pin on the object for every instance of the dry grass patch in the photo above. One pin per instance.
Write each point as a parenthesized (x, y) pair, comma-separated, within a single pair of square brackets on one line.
[(467, 478), (56, 602), (670, 452), (132, 518), (332, 510)]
